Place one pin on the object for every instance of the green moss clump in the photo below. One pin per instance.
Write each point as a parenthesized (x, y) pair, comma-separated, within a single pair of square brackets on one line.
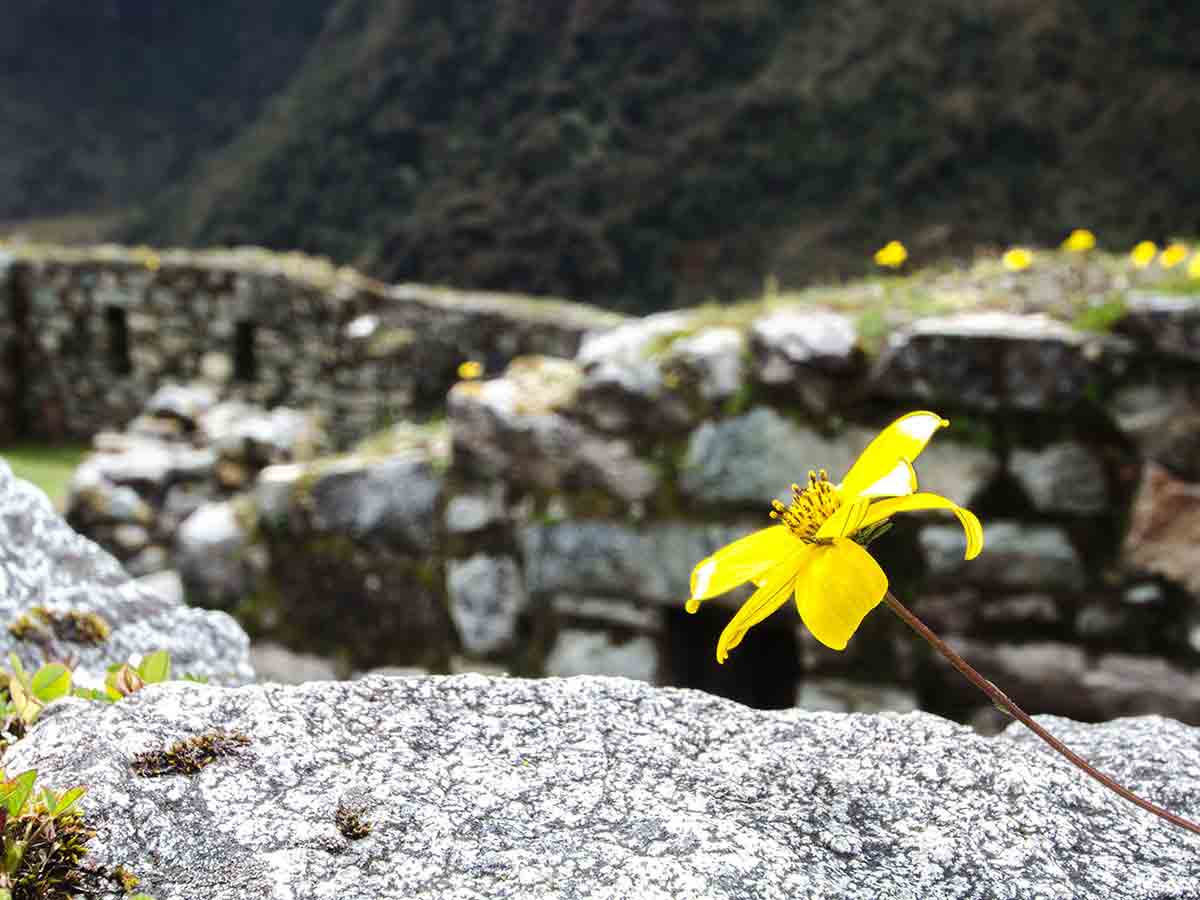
[(190, 755), (40, 624), (51, 864)]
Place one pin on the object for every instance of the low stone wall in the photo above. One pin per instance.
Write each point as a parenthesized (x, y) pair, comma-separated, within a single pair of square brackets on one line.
[(550, 524), (87, 336)]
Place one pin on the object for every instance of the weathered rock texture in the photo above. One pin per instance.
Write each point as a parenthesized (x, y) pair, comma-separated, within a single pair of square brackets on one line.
[(44, 564), (471, 787)]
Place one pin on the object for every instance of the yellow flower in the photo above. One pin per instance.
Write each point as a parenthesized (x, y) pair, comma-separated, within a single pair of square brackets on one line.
[(1017, 259), (470, 369), (1173, 255), (1079, 241), (1143, 254), (1194, 267), (816, 554), (892, 255)]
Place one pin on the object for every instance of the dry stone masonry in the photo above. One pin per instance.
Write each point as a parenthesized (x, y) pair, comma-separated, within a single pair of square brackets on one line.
[(544, 519), (90, 335)]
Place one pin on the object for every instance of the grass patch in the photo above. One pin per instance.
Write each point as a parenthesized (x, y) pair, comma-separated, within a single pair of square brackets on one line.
[(49, 467)]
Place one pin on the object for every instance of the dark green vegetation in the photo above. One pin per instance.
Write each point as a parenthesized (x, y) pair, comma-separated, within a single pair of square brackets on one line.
[(654, 153), (101, 104)]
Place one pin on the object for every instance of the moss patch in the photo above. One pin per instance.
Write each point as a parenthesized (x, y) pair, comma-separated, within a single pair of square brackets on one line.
[(190, 755), (41, 624)]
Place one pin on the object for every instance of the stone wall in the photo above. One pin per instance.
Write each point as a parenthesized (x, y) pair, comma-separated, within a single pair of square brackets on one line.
[(87, 336), (550, 524)]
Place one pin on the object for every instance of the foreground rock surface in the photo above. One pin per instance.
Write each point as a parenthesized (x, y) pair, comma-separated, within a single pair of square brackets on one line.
[(474, 787), (44, 564)]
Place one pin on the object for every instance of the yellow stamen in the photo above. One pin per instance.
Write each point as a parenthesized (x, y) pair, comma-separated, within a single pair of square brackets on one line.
[(810, 507)]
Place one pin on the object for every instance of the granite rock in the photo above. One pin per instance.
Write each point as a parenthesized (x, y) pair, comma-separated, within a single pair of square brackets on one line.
[(749, 459), (994, 361), (469, 787), (1065, 477), (579, 652), (391, 501), (512, 428), (487, 597), (211, 555), (1166, 323), (1016, 557), (43, 562), (607, 559)]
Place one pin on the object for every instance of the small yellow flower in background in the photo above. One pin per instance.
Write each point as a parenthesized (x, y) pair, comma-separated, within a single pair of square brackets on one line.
[(1017, 259), (147, 257), (891, 255), (817, 553), (1079, 241), (1173, 255), (1143, 254), (470, 369), (1194, 267)]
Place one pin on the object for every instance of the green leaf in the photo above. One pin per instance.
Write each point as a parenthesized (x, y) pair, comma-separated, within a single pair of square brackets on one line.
[(13, 854), (51, 681), (155, 667), (14, 662), (58, 804), (68, 799), (22, 787), (26, 706)]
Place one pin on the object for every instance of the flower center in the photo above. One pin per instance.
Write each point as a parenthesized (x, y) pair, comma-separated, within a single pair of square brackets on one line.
[(810, 506)]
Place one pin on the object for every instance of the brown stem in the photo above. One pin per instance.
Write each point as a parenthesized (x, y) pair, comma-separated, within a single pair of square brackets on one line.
[(1001, 700)]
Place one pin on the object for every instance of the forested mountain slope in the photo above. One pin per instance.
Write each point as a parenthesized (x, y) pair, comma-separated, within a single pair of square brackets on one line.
[(650, 152)]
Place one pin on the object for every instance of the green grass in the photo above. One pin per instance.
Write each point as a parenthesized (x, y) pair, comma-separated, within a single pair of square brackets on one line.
[(49, 467)]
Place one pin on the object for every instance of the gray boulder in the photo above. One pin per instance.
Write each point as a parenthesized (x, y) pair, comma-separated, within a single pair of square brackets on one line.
[(212, 555), (43, 563), (995, 361), (515, 427), (1065, 477), (748, 459), (472, 787), (1166, 323)]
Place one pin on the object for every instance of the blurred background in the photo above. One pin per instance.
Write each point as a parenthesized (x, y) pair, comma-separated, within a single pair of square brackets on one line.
[(369, 471)]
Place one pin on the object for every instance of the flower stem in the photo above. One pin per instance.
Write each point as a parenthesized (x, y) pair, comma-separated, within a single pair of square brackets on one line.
[(1001, 700)]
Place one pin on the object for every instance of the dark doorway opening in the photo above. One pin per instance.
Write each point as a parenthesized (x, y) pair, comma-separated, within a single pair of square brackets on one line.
[(762, 672), (245, 361), (118, 340)]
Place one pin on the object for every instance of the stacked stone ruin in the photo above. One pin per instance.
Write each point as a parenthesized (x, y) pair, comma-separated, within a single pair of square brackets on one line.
[(545, 518)]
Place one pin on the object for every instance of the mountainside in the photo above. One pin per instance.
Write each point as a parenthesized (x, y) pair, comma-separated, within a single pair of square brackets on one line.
[(104, 101), (640, 154)]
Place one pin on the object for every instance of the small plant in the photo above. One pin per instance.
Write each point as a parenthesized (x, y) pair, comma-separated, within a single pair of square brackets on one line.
[(44, 840), (350, 817), (28, 694)]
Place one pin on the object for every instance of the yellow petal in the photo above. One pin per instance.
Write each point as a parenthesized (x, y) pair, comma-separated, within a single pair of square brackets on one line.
[(838, 586), (903, 440), (846, 520), (747, 559), (776, 586), (901, 480), (885, 509)]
